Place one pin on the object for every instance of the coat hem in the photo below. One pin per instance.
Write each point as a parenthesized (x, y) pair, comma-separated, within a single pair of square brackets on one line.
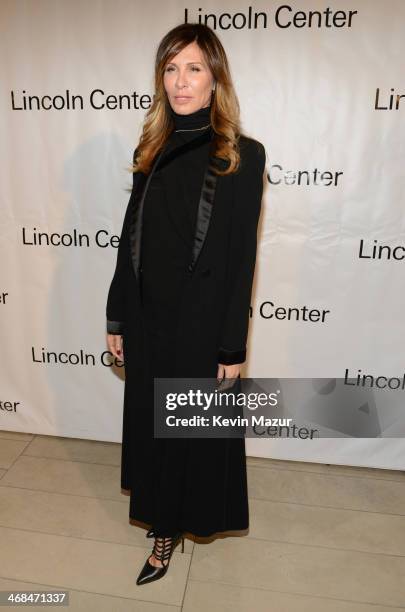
[(196, 532)]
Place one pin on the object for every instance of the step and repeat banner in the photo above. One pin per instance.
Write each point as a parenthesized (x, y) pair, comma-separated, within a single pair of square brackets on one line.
[(320, 85)]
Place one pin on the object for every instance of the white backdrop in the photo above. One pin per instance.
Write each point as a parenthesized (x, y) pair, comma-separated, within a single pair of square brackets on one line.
[(317, 96)]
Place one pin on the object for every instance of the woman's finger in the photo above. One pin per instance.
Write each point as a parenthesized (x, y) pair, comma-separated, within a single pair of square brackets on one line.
[(118, 346), (220, 372), (114, 342)]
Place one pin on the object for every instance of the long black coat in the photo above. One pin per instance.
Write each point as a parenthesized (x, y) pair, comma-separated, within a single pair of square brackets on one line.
[(196, 485)]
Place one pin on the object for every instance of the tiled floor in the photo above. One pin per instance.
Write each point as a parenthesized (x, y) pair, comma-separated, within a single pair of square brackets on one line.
[(321, 539)]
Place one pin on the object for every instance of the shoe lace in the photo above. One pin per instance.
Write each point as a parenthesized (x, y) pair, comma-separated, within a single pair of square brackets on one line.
[(162, 546)]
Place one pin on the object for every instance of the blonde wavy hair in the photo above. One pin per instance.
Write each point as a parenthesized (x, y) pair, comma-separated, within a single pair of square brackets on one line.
[(225, 122)]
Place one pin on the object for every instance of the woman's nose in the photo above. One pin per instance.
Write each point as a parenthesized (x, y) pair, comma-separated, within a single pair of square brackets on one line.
[(181, 81)]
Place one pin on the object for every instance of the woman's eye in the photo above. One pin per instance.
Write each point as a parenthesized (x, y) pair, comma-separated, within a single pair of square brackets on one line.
[(193, 68)]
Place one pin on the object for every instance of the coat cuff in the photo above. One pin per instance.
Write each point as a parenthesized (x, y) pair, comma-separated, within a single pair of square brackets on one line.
[(230, 357), (115, 327)]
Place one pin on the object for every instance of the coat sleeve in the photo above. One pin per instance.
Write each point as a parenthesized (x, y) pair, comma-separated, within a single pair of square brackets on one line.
[(117, 293), (242, 254)]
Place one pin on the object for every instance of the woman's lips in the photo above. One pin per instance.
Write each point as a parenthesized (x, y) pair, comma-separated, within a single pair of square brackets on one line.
[(182, 99)]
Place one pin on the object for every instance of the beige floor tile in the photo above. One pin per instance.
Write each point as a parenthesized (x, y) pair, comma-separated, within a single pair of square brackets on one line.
[(15, 435), (203, 596), (87, 565), (335, 528), (80, 601), (60, 476), (323, 468), (74, 449), (70, 515), (327, 490), (10, 449), (310, 570)]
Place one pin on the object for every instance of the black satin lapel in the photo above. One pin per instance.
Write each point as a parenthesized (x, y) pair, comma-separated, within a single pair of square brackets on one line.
[(135, 228), (204, 212)]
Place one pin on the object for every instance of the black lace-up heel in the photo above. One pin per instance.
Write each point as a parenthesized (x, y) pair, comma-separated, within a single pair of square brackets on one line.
[(162, 551)]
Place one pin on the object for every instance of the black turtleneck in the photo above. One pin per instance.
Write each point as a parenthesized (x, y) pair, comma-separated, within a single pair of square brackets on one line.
[(194, 120)]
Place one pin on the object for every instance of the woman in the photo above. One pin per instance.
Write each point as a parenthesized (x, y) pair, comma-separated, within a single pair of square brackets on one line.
[(179, 306)]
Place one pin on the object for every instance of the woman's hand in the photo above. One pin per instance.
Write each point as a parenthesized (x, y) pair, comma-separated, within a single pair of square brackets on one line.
[(228, 371), (114, 342)]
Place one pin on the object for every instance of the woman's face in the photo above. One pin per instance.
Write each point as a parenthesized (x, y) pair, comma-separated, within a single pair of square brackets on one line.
[(188, 81)]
